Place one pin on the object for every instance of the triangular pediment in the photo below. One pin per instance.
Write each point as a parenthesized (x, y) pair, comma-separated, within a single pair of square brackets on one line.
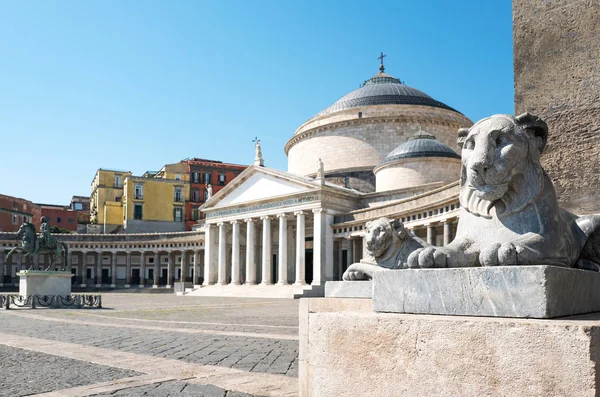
[(257, 184)]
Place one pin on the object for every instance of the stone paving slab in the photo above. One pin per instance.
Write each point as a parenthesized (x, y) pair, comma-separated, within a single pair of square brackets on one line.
[(26, 372), (229, 379), (176, 388)]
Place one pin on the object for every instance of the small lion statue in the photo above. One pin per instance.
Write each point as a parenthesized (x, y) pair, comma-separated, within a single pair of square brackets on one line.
[(509, 211), (387, 244)]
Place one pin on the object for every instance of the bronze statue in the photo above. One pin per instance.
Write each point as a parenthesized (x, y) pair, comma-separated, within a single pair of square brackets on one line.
[(44, 244)]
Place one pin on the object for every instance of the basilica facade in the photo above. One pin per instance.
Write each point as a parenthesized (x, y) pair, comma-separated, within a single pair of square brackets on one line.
[(385, 149)]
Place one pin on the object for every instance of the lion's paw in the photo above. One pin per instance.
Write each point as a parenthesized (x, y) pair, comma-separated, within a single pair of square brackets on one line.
[(499, 254), (353, 275), (426, 257)]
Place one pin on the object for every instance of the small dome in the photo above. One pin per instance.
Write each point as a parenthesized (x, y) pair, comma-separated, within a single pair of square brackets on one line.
[(420, 145), (383, 89)]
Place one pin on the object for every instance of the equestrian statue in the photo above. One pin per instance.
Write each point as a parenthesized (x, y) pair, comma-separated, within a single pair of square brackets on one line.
[(43, 243)]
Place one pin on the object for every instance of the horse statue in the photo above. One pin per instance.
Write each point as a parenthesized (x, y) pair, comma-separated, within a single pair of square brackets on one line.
[(28, 247)]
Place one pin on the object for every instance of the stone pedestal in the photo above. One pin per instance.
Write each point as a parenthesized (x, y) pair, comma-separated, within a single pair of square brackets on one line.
[(35, 282), (349, 289), (503, 291), (346, 349)]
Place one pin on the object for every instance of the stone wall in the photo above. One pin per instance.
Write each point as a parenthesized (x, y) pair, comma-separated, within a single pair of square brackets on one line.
[(557, 76)]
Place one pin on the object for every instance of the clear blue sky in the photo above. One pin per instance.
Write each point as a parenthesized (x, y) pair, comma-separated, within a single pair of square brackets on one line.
[(134, 85)]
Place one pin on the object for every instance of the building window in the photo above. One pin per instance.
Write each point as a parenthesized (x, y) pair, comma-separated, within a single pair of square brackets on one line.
[(139, 192), (221, 179), (206, 177), (70, 220), (137, 211), (118, 199), (346, 182), (177, 177), (177, 194), (15, 219), (360, 115), (205, 195), (58, 219), (118, 181), (15, 205), (177, 214), (196, 177), (78, 206), (196, 195), (195, 214)]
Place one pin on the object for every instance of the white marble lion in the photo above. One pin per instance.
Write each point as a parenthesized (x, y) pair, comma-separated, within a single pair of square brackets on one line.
[(509, 212)]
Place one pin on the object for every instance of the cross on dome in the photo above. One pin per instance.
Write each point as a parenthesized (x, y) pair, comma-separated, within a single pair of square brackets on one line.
[(380, 57)]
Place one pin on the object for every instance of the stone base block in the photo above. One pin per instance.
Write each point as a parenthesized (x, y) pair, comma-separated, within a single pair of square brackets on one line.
[(504, 291), (348, 350), (36, 282), (349, 289)]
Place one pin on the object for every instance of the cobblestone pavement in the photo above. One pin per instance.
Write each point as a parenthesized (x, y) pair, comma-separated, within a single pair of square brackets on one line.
[(255, 340), (25, 372)]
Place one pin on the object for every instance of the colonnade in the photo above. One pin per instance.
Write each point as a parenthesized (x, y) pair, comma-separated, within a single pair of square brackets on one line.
[(216, 265), (7, 276)]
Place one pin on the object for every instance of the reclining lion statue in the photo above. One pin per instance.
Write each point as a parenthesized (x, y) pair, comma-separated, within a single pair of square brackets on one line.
[(509, 212)]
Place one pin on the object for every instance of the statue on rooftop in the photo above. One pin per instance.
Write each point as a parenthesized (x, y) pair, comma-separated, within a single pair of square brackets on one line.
[(509, 212)]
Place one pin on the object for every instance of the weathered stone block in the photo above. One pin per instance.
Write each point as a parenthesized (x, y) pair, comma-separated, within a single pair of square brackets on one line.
[(35, 282), (503, 291), (349, 289), (355, 352)]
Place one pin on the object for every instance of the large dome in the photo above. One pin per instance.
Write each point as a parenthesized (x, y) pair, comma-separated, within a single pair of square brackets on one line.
[(383, 89)]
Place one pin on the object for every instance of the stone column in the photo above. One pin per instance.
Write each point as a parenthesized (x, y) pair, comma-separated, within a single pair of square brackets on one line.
[(156, 281), (210, 255), (142, 269), (98, 269), (322, 247), (282, 256), (196, 268), (66, 265), (300, 248), (113, 270), (430, 234), (340, 258), (267, 252), (84, 269), (184, 266), (235, 253), (128, 270), (447, 231), (250, 252), (170, 269), (222, 255), (349, 253)]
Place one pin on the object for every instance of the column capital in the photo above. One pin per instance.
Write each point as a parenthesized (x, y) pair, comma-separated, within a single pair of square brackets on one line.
[(113, 252), (299, 213), (221, 224), (317, 210), (282, 215), (128, 253), (266, 217), (234, 222), (249, 220)]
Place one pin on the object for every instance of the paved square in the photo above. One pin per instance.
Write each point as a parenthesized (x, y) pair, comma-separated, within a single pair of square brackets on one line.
[(153, 344)]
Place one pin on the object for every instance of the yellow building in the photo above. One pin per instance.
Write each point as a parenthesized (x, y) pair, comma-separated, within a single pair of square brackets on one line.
[(106, 200), (155, 204)]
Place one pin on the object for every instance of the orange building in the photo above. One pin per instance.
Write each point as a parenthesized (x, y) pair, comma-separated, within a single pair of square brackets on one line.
[(14, 211), (203, 172)]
